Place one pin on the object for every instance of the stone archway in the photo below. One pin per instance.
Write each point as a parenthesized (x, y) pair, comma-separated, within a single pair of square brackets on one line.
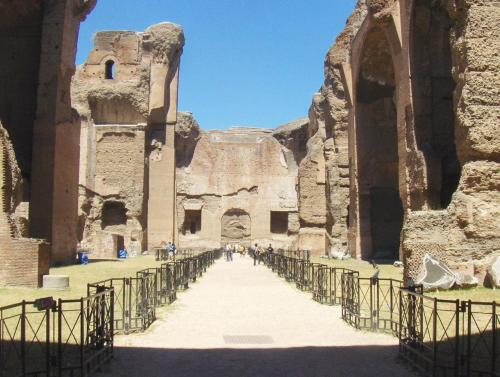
[(236, 227), (380, 207)]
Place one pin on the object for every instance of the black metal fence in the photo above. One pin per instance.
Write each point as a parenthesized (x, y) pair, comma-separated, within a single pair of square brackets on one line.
[(56, 338), (73, 338), (136, 298), (449, 337), (439, 337)]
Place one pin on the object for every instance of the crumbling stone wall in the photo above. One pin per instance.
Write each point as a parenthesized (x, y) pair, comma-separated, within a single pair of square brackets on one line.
[(234, 179), (466, 233), (122, 97), (426, 69), (39, 43), (328, 143), (24, 260)]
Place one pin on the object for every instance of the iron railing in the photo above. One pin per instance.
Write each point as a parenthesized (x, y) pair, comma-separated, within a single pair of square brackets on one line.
[(437, 336), (136, 298), (73, 338), (61, 338)]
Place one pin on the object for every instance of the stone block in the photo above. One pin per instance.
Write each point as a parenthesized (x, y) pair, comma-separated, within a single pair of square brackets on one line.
[(314, 240), (55, 281)]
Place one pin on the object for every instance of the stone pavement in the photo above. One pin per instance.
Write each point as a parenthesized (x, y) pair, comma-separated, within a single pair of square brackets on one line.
[(241, 320)]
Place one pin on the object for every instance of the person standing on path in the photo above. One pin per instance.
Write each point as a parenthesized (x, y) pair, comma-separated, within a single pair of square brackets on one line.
[(255, 252), (269, 253)]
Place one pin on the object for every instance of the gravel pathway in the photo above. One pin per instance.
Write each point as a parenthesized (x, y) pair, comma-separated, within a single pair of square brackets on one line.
[(241, 320)]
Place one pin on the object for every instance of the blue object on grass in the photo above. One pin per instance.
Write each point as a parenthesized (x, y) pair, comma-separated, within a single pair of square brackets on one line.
[(83, 258), (122, 254)]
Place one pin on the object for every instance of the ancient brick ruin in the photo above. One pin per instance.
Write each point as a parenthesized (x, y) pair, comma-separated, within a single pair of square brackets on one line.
[(408, 131), (400, 155), (126, 95), (40, 172)]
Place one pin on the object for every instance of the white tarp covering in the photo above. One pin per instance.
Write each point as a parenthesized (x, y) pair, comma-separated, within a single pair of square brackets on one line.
[(435, 274), (494, 272)]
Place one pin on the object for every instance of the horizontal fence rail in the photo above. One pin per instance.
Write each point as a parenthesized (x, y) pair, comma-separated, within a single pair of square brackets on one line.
[(74, 338), (438, 337), (63, 338)]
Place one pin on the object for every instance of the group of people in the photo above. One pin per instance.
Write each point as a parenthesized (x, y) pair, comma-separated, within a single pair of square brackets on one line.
[(230, 249), (258, 252), (166, 251)]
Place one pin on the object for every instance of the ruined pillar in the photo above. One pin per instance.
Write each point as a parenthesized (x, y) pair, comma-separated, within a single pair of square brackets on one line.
[(162, 167), (54, 175)]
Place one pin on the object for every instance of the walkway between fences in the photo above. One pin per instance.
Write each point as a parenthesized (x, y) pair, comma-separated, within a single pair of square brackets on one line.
[(73, 338), (438, 337)]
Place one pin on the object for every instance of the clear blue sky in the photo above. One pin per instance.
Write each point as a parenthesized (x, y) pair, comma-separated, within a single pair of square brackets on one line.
[(245, 62)]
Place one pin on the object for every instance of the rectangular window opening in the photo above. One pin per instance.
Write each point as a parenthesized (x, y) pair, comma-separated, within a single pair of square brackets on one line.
[(279, 222), (192, 221)]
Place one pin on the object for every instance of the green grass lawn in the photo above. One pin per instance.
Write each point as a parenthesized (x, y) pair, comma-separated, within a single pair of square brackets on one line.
[(79, 276), (390, 272)]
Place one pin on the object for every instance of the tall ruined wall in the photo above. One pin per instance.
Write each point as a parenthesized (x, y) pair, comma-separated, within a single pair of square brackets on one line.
[(406, 123), (39, 40), (237, 185), (324, 173), (466, 234), (121, 96)]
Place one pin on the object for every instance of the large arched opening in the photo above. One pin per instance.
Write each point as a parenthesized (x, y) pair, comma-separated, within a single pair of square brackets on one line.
[(432, 93), (380, 207), (236, 227)]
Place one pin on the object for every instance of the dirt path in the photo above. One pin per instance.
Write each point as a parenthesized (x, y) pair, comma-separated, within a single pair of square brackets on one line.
[(241, 320)]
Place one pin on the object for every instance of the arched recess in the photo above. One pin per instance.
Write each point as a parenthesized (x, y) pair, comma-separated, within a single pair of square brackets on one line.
[(236, 226), (380, 209), (432, 93)]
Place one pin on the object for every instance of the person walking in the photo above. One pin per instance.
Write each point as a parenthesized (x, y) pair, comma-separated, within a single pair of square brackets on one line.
[(260, 253), (269, 254), (255, 252), (227, 250)]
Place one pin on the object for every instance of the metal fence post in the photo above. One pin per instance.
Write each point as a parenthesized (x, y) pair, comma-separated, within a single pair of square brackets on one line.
[(494, 338), (23, 338), (434, 337), (47, 340), (82, 337), (59, 338)]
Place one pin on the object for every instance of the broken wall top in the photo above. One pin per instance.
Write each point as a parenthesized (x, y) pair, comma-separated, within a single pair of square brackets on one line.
[(134, 58)]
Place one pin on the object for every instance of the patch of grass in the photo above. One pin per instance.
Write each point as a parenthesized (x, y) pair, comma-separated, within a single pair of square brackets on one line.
[(478, 294), (79, 276), (365, 269)]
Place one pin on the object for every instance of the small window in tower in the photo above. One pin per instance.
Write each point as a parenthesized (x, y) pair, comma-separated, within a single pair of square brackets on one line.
[(192, 222), (110, 70), (279, 222)]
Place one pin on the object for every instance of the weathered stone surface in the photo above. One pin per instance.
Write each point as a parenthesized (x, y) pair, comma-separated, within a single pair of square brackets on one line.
[(118, 92), (187, 135), (24, 260), (38, 40), (442, 160), (57, 282), (237, 186)]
